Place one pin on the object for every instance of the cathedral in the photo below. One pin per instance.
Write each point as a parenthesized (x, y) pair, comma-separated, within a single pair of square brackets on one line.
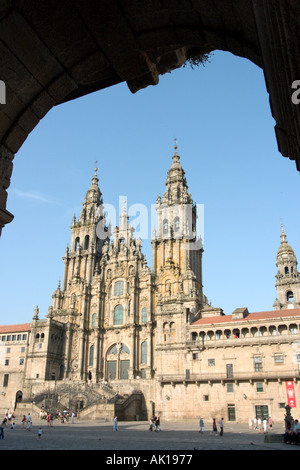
[(122, 338)]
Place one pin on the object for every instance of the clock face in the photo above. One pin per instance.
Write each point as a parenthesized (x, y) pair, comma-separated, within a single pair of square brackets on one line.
[(290, 305)]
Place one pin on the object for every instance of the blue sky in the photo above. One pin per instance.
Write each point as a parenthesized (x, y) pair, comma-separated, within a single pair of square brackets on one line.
[(221, 116)]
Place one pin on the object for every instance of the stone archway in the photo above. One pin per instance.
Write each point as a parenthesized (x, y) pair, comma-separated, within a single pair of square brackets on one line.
[(55, 51)]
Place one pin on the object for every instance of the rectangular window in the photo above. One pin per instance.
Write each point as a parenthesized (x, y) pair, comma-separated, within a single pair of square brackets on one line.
[(259, 387), (258, 364), (278, 358), (21, 362), (211, 362), (195, 356), (14, 337), (19, 337), (5, 380), (6, 362), (24, 337), (229, 371), (206, 397), (229, 388)]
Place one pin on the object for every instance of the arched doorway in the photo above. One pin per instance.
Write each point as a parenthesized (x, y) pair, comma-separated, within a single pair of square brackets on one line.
[(19, 398)]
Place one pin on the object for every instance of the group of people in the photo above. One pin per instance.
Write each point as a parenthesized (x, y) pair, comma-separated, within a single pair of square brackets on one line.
[(62, 416), (261, 425), (154, 424), (214, 426), (292, 432)]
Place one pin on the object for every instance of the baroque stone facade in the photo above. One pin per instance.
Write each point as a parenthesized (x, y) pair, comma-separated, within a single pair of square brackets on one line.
[(122, 337)]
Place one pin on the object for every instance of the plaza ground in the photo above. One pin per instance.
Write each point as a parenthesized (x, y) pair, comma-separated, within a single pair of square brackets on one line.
[(135, 436)]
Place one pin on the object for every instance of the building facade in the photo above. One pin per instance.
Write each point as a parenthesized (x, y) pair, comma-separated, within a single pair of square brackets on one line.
[(146, 341)]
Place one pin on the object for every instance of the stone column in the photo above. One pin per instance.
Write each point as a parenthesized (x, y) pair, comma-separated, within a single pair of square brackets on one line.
[(6, 166)]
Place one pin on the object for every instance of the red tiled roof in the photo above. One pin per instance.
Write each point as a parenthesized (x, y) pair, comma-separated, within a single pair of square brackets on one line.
[(250, 317), (14, 328)]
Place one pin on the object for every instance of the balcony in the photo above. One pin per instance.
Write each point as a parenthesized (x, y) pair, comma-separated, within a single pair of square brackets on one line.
[(250, 376), (201, 344)]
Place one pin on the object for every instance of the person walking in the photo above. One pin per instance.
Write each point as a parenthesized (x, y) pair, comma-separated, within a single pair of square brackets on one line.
[(1, 432), (270, 423), (215, 429), (201, 423), (265, 426), (40, 432), (115, 428), (221, 424), (157, 424), (259, 425)]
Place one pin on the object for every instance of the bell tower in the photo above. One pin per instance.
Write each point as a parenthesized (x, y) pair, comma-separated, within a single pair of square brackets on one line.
[(177, 253), (288, 277)]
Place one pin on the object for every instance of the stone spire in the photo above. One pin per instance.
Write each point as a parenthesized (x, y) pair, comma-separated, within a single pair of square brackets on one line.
[(93, 199), (176, 185), (287, 278)]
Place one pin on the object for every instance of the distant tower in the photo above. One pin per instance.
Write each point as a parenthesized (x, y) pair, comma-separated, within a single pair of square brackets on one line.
[(287, 278)]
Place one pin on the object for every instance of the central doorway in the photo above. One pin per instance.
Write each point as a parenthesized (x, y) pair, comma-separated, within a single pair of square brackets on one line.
[(262, 412)]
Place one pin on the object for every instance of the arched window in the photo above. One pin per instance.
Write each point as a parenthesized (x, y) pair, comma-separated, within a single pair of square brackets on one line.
[(144, 315), (144, 348), (118, 315), (165, 226), (286, 270), (119, 288), (290, 296), (94, 316), (176, 224), (113, 349)]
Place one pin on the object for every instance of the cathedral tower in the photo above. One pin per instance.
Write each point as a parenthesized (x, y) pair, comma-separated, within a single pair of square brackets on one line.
[(177, 267), (288, 277)]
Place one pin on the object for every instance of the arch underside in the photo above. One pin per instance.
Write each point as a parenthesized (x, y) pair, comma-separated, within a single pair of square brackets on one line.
[(53, 51)]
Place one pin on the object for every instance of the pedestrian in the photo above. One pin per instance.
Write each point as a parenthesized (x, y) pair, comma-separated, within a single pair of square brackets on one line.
[(116, 428), (201, 423), (151, 424), (270, 423), (1, 432), (40, 432), (259, 425), (23, 420), (13, 425), (255, 423), (28, 418), (157, 424), (73, 416), (221, 424), (215, 429), (265, 426)]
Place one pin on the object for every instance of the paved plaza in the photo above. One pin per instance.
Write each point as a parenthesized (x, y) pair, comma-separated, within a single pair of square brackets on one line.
[(135, 436)]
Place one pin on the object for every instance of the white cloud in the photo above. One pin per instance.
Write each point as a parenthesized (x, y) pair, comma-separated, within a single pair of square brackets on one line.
[(35, 195)]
